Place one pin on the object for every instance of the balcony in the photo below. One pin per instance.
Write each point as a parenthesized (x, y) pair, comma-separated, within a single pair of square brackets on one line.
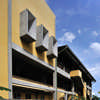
[(25, 83), (76, 76), (76, 73), (26, 55), (52, 51), (42, 38), (27, 26)]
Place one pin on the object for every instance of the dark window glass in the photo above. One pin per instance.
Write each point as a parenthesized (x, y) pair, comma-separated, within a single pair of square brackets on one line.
[(36, 97), (42, 97), (17, 95), (28, 96)]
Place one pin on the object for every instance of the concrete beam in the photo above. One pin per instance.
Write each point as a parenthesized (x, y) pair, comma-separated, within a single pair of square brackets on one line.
[(67, 92), (63, 73), (30, 84)]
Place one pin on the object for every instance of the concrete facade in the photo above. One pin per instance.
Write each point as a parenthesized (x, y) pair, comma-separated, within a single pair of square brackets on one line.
[(42, 38), (52, 51), (27, 26)]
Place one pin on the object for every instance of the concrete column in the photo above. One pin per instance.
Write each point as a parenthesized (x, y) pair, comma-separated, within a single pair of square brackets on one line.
[(65, 96), (10, 47), (90, 94), (73, 90), (84, 90), (55, 82)]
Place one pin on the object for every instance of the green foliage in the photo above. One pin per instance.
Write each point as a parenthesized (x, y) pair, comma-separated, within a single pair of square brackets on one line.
[(95, 98), (1, 98), (77, 98), (3, 89), (99, 92)]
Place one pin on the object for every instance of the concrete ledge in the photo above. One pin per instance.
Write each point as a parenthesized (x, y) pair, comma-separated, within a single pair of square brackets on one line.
[(30, 56), (28, 84), (63, 73), (88, 87), (67, 92)]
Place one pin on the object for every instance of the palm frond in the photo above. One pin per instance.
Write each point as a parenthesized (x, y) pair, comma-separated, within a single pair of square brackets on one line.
[(3, 88)]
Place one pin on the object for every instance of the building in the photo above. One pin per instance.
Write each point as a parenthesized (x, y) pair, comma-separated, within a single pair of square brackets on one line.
[(72, 76), (28, 49), (28, 55)]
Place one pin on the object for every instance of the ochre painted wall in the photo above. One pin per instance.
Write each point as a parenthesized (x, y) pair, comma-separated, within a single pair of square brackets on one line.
[(35, 96), (60, 96), (84, 90), (76, 73), (4, 46), (44, 16)]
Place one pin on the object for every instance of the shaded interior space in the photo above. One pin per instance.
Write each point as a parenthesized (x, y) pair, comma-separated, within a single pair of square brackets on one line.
[(88, 94), (88, 97), (69, 62), (25, 93), (64, 83), (78, 85), (31, 70)]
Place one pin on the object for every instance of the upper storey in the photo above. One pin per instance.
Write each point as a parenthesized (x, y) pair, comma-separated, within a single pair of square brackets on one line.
[(38, 8), (33, 24)]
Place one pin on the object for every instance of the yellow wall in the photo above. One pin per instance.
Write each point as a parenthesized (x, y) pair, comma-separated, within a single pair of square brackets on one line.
[(39, 95), (84, 90), (76, 73), (60, 96), (3, 46), (44, 16)]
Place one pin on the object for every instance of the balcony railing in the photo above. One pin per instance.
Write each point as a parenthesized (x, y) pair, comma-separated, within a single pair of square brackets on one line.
[(63, 73)]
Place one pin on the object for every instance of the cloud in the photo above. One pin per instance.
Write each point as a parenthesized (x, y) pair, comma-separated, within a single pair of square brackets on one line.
[(70, 12), (97, 18), (64, 29), (79, 31), (68, 36), (80, 11), (95, 70), (96, 47), (95, 33), (86, 29)]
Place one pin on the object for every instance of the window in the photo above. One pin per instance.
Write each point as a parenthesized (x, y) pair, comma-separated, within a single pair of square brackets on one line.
[(28, 96), (42, 97), (17, 95)]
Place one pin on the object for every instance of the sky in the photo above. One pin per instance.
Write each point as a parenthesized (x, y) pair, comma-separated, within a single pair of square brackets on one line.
[(78, 26)]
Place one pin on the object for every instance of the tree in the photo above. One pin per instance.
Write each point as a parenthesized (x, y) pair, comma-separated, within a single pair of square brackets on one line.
[(95, 98)]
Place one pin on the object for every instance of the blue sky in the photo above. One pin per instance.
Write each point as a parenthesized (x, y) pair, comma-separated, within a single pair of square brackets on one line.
[(78, 25)]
